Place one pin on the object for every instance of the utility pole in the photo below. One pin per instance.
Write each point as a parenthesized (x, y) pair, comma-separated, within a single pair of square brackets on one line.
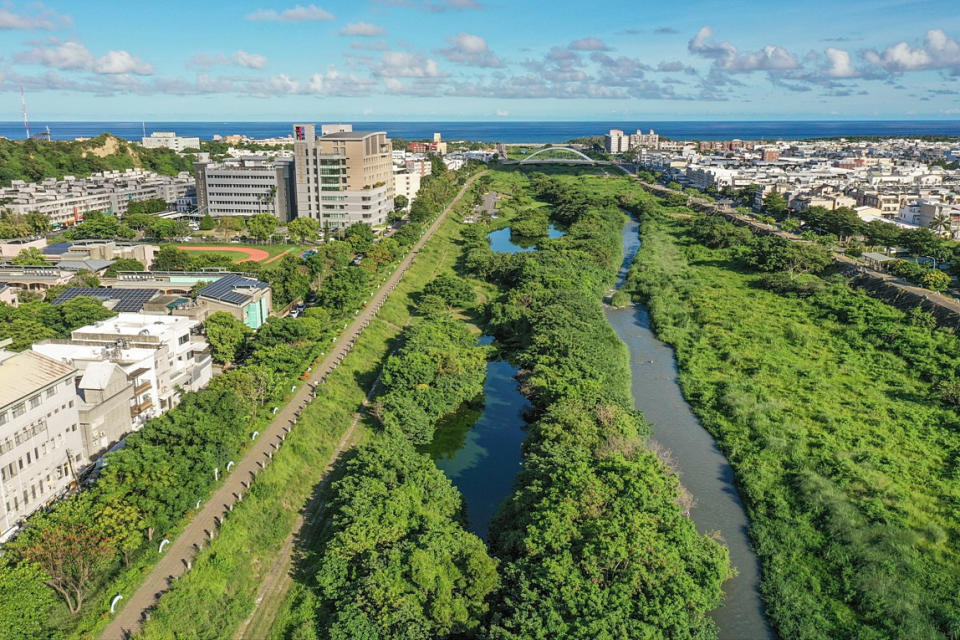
[(23, 103)]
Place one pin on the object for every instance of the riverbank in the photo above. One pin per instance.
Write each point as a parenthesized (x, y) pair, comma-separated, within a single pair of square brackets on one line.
[(825, 408)]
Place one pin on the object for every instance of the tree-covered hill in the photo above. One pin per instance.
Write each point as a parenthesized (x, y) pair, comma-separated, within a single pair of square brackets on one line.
[(35, 160)]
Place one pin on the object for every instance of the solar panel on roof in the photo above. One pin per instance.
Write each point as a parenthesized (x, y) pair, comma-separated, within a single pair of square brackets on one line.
[(127, 299), (223, 289)]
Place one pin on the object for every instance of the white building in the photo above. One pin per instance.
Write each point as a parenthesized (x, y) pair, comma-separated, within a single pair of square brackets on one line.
[(617, 142), (41, 447), (170, 140), (406, 184), (246, 187), (66, 201), (181, 359)]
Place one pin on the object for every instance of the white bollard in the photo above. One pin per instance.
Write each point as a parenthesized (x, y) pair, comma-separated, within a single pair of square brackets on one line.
[(113, 603), (163, 543)]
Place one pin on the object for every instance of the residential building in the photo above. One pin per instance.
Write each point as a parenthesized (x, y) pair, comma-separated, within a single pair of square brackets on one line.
[(41, 444), (170, 140), (10, 248), (66, 201), (246, 187), (104, 250), (407, 184), (343, 177), (617, 142), (181, 357), (641, 140)]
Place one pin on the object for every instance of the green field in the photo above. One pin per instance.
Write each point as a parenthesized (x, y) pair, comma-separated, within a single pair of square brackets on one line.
[(828, 409)]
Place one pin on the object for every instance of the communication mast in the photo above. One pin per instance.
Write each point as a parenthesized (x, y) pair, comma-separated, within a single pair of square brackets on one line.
[(23, 102)]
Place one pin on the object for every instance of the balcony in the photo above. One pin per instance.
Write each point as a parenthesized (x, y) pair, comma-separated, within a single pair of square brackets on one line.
[(143, 387), (137, 409)]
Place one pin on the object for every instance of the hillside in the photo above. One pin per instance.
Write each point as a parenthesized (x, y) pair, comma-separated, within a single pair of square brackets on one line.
[(35, 160)]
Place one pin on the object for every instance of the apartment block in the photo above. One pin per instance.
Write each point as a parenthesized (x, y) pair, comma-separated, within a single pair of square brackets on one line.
[(617, 142), (41, 446), (181, 358), (406, 184), (343, 177), (66, 201), (246, 187)]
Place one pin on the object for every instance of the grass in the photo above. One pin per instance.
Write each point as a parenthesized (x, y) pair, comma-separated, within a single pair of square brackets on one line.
[(234, 256), (217, 595), (846, 464)]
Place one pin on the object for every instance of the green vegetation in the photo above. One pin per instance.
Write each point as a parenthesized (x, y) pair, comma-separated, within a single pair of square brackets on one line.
[(34, 321), (14, 225), (594, 542), (34, 160), (218, 593), (31, 256), (838, 415), (123, 264)]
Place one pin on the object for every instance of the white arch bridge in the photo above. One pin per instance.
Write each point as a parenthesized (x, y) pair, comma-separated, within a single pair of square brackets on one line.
[(577, 157)]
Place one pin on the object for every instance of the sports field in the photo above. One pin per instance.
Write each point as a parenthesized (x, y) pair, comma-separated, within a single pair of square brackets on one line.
[(245, 253)]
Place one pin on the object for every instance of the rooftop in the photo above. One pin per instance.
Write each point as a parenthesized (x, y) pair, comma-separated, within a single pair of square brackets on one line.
[(351, 135), (27, 372), (125, 299), (135, 324), (232, 289)]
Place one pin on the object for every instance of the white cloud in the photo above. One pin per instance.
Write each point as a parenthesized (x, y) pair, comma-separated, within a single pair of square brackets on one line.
[(502, 113), (362, 29), (403, 64), (839, 64), (588, 44), (939, 51), (471, 50), (298, 13), (239, 58), (74, 56), (727, 57), (45, 19)]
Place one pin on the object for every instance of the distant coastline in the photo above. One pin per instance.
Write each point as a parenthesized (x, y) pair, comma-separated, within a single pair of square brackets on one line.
[(518, 132)]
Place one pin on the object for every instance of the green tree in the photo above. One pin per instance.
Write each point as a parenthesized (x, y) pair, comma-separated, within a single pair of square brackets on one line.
[(455, 291), (302, 229), (39, 223), (775, 204), (935, 280), (262, 225), (82, 310), (26, 602), (400, 202), (941, 224), (123, 264), (207, 223), (227, 336), (170, 258), (31, 256)]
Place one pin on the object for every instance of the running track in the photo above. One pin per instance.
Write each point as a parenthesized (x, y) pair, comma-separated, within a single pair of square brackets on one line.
[(255, 255)]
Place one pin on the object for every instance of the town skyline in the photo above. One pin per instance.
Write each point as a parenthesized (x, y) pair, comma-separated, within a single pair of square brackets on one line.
[(455, 60)]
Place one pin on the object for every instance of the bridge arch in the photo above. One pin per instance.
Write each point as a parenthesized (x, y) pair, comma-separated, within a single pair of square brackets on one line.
[(584, 157)]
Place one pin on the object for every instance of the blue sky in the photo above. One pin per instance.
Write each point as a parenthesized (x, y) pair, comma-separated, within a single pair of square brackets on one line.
[(480, 60)]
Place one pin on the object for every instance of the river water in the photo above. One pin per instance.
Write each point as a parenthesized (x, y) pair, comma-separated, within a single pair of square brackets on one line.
[(479, 448), (501, 242), (703, 469)]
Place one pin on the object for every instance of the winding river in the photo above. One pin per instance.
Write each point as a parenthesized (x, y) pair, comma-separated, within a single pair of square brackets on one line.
[(703, 469)]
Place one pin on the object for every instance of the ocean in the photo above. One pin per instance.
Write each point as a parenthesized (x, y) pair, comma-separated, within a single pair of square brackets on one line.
[(506, 131)]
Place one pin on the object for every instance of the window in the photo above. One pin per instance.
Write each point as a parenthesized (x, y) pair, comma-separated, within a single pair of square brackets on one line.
[(19, 410), (35, 401), (52, 390), (3, 417)]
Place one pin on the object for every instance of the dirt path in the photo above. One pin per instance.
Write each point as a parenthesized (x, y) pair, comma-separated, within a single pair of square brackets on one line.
[(276, 584), (178, 556), (254, 255), (278, 256)]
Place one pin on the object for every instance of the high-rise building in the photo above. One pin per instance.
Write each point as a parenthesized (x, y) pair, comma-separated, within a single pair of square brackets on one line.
[(246, 187), (617, 142), (343, 176)]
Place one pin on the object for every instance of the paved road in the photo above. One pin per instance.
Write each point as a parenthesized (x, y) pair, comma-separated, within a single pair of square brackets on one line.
[(179, 553)]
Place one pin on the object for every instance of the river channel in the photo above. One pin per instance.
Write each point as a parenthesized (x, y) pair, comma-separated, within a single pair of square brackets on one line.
[(703, 469)]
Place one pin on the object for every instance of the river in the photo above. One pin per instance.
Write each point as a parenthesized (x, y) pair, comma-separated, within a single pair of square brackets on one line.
[(703, 469)]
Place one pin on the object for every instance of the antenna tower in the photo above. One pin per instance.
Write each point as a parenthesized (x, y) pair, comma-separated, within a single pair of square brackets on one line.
[(23, 103)]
